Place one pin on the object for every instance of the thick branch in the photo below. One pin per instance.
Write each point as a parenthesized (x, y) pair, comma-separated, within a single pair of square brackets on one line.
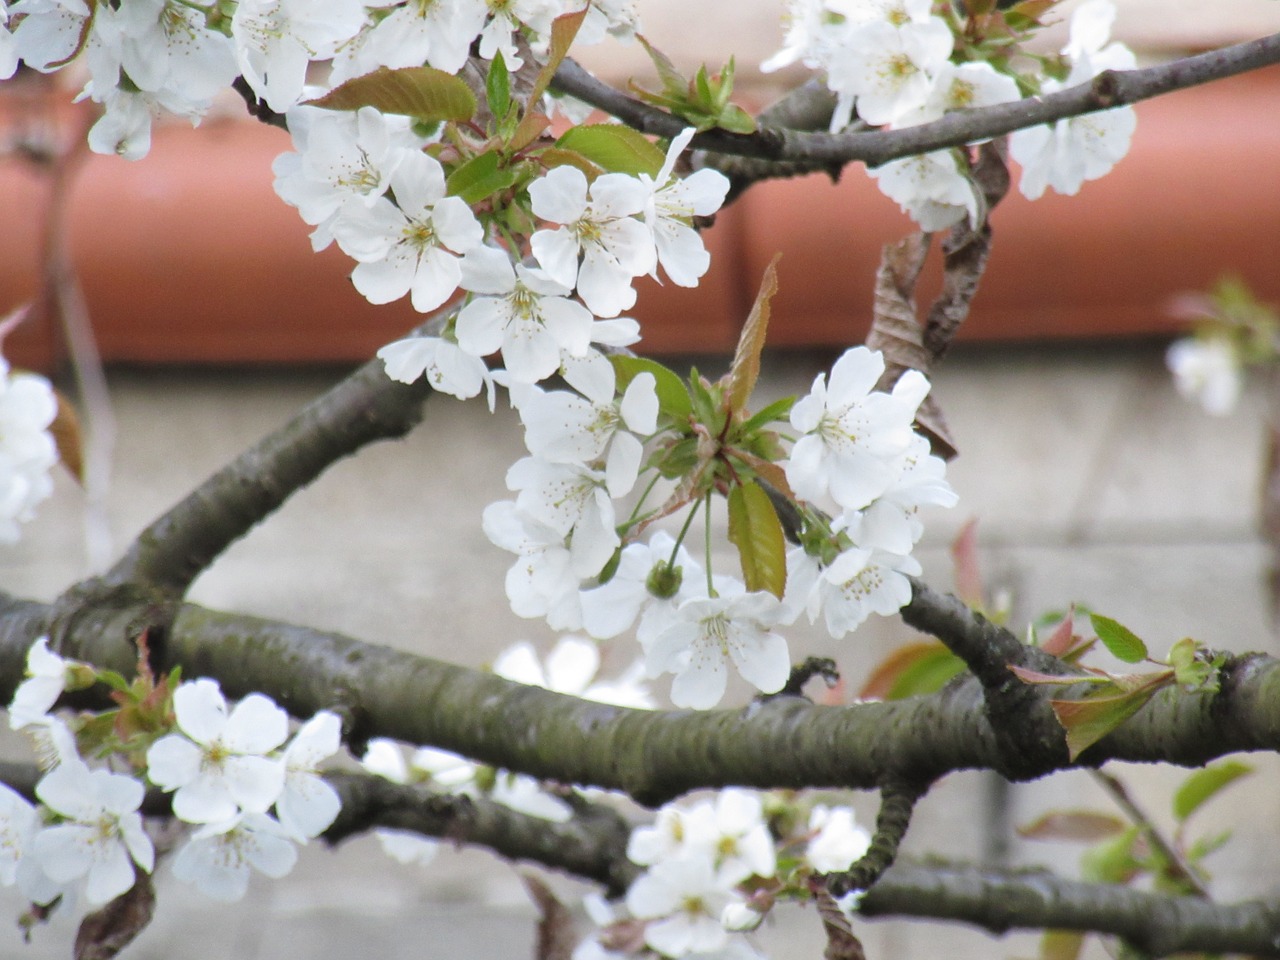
[(822, 150), (784, 742), (1157, 925)]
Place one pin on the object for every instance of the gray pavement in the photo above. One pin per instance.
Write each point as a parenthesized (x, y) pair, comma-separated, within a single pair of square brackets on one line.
[(1091, 481)]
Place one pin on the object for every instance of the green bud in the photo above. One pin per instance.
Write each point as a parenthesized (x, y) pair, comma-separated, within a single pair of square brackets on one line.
[(664, 580)]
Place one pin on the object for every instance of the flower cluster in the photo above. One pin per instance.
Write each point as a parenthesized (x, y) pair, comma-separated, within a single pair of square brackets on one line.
[(27, 449), (855, 449), (715, 867), (227, 770), (898, 63)]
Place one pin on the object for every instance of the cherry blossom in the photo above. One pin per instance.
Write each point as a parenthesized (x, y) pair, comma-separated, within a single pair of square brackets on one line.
[(542, 582), (852, 435), (569, 498), (307, 806), (890, 69), (669, 210), (439, 34), (102, 836), (931, 188), (858, 583), (219, 857), (599, 227), (837, 840), (1207, 370), (413, 245), (27, 450), (706, 632), (46, 679), (572, 667), (217, 764), (526, 314), (447, 367), (683, 898), (892, 522)]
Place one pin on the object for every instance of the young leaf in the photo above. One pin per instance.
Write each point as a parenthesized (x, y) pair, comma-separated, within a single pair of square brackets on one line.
[(673, 396), (1119, 639), (614, 147), (746, 360), (497, 87), (964, 561), (479, 178), (1202, 785), (755, 530), (563, 29), (913, 670), (424, 93), (1089, 720), (777, 411), (1061, 944), (1112, 861)]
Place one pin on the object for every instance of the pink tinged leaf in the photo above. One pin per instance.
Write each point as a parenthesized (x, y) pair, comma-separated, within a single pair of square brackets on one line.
[(746, 360), (964, 559), (1088, 721), (1084, 826), (1063, 637)]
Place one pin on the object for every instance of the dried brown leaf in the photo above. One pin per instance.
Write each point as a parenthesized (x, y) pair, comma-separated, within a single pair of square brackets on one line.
[(105, 932), (68, 437), (842, 944), (556, 934)]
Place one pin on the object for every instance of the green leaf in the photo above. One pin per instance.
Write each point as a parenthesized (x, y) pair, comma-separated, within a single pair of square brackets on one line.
[(673, 396), (777, 411), (1089, 720), (1112, 861), (1119, 639), (1061, 944), (755, 530), (1202, 785), (746, 360), (673, 81), (708, 403), (913, 670), (736, 120), (480, 178), (555, 157), (497, 88), (614, 147), (424, 93)]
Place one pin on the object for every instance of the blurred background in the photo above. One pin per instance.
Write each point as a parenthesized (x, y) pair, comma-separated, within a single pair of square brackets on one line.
[(1090, 480)]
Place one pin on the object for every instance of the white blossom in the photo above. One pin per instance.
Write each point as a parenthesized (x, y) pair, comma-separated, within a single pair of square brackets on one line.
[(542, 581), (857, 583), (219, 857), (837, 839), (852, 436), (670, 207), (46, 680), (890, 69), (706, 632), (27, 450), (102, 836), (447, 367), (569, 498), (218, 765), (598, 227), (524, 313), (931, 188), (307, 805), (1208, 371), (572, 668), (683, 899), (413, 245)]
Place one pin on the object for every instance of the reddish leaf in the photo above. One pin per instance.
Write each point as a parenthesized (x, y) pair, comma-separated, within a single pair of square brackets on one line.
[(556, 934), (746, 360), (912, 670), (1063, 637), (1079, 825), (1088, 721)]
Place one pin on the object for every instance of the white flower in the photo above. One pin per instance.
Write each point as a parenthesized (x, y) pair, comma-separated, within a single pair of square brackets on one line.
[(275, 40), (27, 450), (308, 806), (931, 189), (439, 34), (410, 246), (1071, 151), (890, 69), (448, 367), (218, 768), (46, 679), (1208, 371), (167, 48), (527, 315), (102, 836), (614, 247), (611, 608), (569, 498), (218, 857), (669, 210), (837, 840), (563, 427), (571, 668), (684, 898), (852, 436), (48, 32), (525, 794), (341, 157), (542, 582), (858, 583), (19, 823), (962, 86), (706, 632), (891, 522), (731, 831)]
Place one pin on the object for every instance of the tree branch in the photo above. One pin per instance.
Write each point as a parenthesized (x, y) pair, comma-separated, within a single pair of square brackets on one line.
[(654, 756), (1156, 924), (897, 800), (1112, 88)]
